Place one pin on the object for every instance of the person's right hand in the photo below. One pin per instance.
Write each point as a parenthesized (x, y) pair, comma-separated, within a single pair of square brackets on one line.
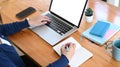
[(70, 52), (39, 20)]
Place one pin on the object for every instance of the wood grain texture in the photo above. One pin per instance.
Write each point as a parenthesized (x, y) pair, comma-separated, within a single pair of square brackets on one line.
[(41, 52)]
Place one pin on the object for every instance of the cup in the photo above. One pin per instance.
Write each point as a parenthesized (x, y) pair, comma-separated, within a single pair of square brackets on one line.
[(115, 49)]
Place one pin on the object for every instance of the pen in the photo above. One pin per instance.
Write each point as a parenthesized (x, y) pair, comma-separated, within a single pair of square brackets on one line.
[(67, 48)]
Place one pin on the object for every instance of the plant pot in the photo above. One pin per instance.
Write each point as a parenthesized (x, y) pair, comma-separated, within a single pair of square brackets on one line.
[(89, 18)]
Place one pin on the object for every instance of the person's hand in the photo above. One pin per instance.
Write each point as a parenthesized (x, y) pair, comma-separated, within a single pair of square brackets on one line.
[(68, 50), (38, 20), (0, 9)]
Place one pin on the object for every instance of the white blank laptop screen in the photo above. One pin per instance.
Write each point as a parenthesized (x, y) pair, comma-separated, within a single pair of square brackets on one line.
[(70, 10)]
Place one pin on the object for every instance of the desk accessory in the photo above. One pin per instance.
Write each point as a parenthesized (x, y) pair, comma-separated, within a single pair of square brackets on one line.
[(113, 28), (81, 54), (100, 28), (89, 15), (26, 12), (115, 51)]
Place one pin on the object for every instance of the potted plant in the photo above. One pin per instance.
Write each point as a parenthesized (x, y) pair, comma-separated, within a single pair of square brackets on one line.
[(89, 14)]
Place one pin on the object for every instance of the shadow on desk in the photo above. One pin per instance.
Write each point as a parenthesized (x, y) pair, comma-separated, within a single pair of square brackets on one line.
[(29, 62)]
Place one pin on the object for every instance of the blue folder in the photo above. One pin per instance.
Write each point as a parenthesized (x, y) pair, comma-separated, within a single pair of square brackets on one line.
[(113, 28), (100, 28)]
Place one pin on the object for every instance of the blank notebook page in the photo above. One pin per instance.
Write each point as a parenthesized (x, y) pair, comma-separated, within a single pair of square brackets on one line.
[(80, 56)]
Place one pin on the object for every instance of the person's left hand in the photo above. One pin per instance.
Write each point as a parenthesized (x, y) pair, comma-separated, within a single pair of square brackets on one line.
[(38, 20)]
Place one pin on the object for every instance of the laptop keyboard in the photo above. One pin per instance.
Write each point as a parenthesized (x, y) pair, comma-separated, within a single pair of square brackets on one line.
[(58, 26)]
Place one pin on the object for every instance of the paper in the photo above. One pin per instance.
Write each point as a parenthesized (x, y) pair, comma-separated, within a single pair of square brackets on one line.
[(80, 56)]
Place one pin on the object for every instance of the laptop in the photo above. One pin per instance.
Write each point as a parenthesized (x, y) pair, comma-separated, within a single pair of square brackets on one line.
[(65, 16)]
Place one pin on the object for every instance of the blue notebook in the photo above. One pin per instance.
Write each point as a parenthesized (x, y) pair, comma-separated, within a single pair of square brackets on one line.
[(100, 28), (113, 28)]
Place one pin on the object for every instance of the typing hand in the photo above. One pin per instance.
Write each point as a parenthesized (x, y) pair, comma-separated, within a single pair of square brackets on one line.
[(39, 20), (68, 50)]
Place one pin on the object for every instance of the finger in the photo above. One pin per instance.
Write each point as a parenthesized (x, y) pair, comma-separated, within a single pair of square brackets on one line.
[(43, 23), (46, 17), (63, 47), (72, 45), (46, 20), (66, 45)]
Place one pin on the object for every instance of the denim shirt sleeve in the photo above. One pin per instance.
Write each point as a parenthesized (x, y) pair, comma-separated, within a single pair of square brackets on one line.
[(61, 62), (11, 28)]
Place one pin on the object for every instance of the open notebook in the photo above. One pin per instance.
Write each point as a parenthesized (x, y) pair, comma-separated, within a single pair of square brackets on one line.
[(80, 56)]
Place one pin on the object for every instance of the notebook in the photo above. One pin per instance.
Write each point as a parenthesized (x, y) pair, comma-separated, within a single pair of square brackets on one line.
[(61, 13), (100, 28), (81, 54), (113, 28)]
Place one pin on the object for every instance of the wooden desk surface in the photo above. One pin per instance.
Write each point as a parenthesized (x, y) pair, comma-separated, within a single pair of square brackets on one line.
[(40, 51)]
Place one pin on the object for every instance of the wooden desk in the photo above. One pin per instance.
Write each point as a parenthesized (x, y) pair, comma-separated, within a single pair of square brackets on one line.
[(41, 52)]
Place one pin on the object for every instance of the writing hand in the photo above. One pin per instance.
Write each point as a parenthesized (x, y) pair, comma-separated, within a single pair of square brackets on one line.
[(68, 50)]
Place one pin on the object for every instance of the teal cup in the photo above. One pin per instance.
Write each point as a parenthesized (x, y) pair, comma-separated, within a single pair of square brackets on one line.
[(116, 49)]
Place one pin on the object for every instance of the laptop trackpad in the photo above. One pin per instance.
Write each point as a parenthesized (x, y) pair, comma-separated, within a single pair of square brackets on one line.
[(47, 34)]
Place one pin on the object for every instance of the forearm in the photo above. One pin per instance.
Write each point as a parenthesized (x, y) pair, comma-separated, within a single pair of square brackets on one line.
[(61, 62), (8, 29)]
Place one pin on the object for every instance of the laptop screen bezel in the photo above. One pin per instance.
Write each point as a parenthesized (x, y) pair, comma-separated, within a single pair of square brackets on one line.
[(67, 20)]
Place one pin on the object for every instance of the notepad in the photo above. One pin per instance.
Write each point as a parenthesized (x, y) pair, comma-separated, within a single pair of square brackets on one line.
[(99, 28), (113, 28), (81, 54)]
